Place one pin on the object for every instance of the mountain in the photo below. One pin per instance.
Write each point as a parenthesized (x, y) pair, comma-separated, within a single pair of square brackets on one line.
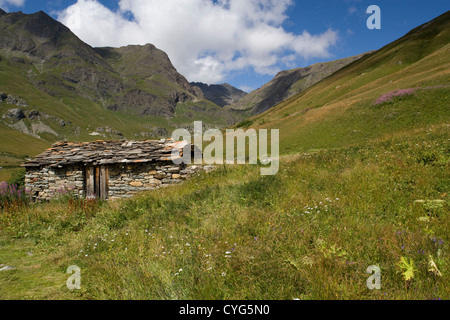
[(61, 59), (402, 87), (220, 94), (136, 79), (53, 86), (153, 90), (288, 83)]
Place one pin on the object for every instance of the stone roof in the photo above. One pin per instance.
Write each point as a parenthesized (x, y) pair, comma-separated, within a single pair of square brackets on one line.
[(107, 152)]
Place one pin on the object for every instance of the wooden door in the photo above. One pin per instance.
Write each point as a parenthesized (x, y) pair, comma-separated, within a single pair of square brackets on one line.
[(97, 182)]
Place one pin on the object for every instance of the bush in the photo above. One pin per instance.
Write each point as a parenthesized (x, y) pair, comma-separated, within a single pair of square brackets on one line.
[(18, 178)]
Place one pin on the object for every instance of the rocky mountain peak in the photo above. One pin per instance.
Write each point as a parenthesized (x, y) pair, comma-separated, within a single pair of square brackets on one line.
[(42, 25)]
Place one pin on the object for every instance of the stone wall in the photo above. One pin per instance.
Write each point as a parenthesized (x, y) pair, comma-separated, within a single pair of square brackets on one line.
[(124, 180), (48, 183), (127, 180)]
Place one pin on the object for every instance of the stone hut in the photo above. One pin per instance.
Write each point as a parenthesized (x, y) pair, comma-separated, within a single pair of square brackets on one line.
[(106, 169)]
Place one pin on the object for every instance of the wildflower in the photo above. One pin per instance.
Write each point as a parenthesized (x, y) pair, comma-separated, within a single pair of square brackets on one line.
[(224, 274)]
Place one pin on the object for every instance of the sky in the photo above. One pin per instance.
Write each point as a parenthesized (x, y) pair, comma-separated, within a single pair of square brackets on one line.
[(241, 42)]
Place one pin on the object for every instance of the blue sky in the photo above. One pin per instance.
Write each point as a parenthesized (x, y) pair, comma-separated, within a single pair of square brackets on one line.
[(241, 42)]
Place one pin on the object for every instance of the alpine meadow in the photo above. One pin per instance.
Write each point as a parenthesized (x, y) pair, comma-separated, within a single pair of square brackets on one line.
[(363, 177)]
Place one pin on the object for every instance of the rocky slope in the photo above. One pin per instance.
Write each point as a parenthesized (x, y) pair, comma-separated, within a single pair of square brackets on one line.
[(288, 83), (220, 94)]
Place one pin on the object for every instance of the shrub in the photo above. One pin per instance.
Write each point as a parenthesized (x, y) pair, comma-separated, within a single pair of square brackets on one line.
[(18, 178)]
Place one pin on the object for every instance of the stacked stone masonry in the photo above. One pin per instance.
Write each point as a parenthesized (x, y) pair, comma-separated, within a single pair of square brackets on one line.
[(123, 180), (107, 169)]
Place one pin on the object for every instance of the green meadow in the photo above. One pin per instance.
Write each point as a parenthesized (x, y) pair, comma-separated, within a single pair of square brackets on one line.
[(360, 184), (309, 232)]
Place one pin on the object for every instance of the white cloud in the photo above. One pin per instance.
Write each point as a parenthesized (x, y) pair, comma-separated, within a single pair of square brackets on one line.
[(205, 40), (352, 10), (6, 3), (246, 88)]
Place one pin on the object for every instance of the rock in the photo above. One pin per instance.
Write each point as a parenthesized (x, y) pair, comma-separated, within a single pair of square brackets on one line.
[(160, 176), (16, 114), (16, 101), (171, 181), (174, 170), (176, 176), (34, 115), (136, 184), (6, 268), (209, 168), (155, 182)]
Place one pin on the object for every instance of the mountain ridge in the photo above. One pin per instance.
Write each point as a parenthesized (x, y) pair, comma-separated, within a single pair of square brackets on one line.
[(221, 94), (288, 83)]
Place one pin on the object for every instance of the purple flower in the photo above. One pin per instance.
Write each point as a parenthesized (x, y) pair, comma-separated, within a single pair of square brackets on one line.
[(388, 97)]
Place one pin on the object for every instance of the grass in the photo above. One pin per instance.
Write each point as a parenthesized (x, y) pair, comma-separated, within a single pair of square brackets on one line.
[(359, 185), (309, 232)]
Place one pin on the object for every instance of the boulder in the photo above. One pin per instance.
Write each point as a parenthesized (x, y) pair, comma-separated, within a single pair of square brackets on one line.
[(16, 114)]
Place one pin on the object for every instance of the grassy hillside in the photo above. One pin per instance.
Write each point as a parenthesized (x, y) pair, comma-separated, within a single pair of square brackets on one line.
[(360, 184), (341, 109)]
